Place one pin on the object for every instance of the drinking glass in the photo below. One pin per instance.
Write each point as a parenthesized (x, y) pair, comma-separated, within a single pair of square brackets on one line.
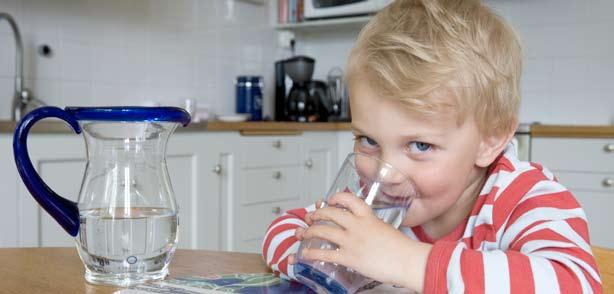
[(387, 190)]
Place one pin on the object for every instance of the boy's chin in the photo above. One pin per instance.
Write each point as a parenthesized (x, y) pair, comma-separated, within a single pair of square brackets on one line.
[(410, 222)]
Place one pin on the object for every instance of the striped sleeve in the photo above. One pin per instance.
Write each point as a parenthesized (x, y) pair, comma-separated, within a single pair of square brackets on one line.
[(542, 247), (279, 241)]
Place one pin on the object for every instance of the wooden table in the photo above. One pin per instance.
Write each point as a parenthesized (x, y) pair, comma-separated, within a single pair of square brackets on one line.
[(59, 270)]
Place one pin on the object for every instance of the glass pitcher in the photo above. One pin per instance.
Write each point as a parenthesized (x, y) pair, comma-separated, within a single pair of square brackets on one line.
[(125, 221)]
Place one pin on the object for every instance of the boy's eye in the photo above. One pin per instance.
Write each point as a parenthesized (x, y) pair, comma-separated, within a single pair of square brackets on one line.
[(419, 147), (366, 142)]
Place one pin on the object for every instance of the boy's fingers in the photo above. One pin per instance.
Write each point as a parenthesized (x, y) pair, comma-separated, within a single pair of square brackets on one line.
[(292, 258), (348, 200), (326, 232), (298, 233), (332, 256), (339, 216), (319, 204), (308, 219)]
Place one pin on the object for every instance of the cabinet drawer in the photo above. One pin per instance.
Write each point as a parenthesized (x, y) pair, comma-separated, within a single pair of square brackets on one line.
[(271, 151), (598, 182), (270, 184), (565, 154)]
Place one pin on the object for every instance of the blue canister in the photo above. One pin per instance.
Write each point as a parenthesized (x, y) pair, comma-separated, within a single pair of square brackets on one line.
[(249, 96)]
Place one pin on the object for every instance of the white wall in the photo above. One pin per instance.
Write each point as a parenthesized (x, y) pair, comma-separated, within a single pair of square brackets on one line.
[(122, 52), (569, 62), (131, 51)]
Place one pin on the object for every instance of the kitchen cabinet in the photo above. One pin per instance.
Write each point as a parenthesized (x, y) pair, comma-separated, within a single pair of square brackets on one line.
[(60, 160), (267, 173), (586, 167), (228, 187)]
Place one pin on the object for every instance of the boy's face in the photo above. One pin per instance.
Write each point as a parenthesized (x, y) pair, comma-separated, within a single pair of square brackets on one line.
[(438, 155)]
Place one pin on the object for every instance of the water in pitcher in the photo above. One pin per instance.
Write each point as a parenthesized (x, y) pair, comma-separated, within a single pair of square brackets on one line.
[(129, 245)]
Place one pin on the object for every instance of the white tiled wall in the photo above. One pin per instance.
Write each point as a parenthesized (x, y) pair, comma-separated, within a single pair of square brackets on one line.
[(569, 57), (127, 52), (133, 51)]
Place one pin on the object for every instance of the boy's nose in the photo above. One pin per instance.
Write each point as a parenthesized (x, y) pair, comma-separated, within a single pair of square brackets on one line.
[(397, 173), (384, 169), (393, 176), (397, 169)]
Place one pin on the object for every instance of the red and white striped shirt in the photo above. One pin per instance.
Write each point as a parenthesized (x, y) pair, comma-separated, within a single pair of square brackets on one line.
[(526, 233)]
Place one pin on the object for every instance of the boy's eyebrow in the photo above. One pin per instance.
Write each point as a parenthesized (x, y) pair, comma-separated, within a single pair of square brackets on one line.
[(423, 136), (418, 135), (356, 129)]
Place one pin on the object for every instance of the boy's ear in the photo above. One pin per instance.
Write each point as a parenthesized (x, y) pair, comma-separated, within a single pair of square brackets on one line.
[(491, 146)]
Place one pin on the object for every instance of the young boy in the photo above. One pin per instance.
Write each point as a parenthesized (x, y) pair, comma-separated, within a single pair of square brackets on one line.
[(434, 90)]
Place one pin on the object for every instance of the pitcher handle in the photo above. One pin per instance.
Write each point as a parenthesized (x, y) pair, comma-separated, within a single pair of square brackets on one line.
[(64, 211)]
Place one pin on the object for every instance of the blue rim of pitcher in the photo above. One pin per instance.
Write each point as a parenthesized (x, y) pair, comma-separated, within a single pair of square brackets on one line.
[(131, 114)]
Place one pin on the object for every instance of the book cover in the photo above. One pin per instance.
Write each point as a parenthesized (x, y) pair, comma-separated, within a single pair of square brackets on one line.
[(300, 10), (292, 11), (282, 11)]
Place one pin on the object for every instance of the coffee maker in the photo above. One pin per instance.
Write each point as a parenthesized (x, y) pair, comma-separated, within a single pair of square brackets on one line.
[(297, 96)]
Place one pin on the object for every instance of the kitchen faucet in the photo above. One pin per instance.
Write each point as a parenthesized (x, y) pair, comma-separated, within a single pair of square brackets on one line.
[(22, 98)]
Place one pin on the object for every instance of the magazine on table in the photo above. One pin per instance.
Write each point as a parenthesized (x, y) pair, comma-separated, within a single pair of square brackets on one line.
[(257, 283)]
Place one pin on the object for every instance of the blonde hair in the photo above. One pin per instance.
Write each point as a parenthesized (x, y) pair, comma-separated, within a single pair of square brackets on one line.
[(414, 50)]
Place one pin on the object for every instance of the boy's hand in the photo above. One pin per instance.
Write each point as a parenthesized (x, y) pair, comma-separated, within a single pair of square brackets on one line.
[(366, 243)]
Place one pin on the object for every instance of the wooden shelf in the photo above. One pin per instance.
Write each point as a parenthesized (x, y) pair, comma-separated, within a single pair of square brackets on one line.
[(347, 22)]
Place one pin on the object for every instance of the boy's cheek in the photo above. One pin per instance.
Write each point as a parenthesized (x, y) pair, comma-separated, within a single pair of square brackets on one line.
[(424, 209), (414, 216)]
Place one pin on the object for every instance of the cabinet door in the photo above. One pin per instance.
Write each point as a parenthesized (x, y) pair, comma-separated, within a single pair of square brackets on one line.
[(345, 145), (195, 166), (185, 167), (60, 161), (320, 149), (598, 206), (9, 231)]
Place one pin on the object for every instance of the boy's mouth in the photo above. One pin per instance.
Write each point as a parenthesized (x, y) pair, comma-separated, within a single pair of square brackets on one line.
[(392, 199)]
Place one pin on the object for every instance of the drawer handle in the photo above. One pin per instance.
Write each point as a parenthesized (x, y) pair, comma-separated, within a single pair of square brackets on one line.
[(276, 210), (609, 148), (217, 169), (309, 163), (277, 175), (277, 144), (608, 182)]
